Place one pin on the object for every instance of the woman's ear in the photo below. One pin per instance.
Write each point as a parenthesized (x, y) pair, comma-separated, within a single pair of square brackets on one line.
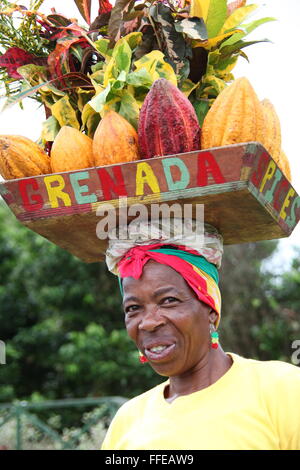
[(213, 316)]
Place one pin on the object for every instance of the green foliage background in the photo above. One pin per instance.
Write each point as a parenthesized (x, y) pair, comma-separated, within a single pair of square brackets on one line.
[(63, 325)]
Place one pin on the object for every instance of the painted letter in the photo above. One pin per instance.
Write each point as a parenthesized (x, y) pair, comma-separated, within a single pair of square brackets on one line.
[(56, 192), (295, 213), (268, 175), (270, 192), (78, 190), (207, 164), (27, 204), (286, 203), (145, 175), (184, 177), (108, 184), (279, 195)]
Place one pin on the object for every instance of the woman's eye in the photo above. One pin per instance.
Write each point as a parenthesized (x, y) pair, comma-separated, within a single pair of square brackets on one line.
[(131, 309), (169, 300)]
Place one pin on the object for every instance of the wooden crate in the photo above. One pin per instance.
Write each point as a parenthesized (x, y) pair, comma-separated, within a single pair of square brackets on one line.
[(245, 196)]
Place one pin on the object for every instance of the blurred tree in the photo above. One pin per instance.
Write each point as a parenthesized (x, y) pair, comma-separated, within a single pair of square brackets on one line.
[(261, 310)]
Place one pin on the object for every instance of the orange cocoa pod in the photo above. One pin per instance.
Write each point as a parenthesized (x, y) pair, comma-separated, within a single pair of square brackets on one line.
[(115, 140), (21, 157), (71, 150), (236, 116)]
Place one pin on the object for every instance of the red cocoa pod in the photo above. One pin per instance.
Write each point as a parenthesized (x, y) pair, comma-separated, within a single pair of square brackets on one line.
[(168, 123)]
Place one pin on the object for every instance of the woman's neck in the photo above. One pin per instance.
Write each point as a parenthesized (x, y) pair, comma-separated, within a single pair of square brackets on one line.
[(207, 371)]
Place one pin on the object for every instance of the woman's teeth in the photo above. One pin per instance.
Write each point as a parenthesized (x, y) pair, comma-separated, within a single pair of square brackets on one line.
[(158, 349)]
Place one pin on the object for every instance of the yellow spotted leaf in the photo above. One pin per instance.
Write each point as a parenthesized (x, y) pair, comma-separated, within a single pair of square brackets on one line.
[(64, 113)]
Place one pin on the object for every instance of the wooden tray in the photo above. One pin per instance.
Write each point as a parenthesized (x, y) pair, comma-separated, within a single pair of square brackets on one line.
[(245, 196)]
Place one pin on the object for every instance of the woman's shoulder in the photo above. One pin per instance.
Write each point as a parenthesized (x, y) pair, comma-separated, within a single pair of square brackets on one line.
[(141, 401), (269, 370)]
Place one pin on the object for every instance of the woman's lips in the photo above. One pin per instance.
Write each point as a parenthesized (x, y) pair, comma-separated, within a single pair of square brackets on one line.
[(156, 354)]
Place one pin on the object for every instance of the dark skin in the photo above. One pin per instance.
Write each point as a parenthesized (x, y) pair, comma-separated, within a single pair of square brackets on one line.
[(161, 309)]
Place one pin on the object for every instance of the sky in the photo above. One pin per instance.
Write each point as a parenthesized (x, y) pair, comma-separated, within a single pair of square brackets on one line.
[(273, 71)]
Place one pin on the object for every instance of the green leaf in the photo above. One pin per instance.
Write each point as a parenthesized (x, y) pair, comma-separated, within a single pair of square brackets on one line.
[(133, 39), (193, 27), (122, 54), (102, 46), (129, 109), (33, 74), (118, 84), (216, 17), (236, 47), (246, 29), (187, 86), (98, 102), (156, 66), (64, 113), (140, 78), (254, 24), (50, 129), (201, 107), (90, 120)]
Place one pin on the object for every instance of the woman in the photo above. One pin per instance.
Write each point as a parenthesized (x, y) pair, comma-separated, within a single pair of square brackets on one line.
[(212, 399)]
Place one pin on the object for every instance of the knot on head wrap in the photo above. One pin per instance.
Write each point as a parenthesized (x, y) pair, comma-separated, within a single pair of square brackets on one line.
[(196, 264)]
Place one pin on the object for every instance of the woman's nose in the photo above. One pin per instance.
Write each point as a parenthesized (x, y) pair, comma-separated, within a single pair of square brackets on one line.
[(151, 319)]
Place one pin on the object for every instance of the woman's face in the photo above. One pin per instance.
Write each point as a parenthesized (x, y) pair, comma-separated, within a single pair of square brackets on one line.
[(165, 319)]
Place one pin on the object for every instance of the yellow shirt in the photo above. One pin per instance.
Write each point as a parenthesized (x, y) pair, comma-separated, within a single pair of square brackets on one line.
[(254, 405)]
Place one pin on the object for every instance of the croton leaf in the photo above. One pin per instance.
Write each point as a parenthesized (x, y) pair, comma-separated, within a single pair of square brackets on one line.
[(65, 113), (15, 57), (156, 66), (231, 7), (116, 19), (50, 129), (193, 27), (199, 8), (129, 109), (84, 7), (237, 17), (59, 56), (201, 107), (173, 43), (216, 17), (104, 6)]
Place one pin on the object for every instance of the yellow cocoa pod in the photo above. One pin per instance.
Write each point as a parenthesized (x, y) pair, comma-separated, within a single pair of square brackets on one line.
[(71, 150), (272, 135), (284, 165), (115, 140), (21, 157), (236, 116)]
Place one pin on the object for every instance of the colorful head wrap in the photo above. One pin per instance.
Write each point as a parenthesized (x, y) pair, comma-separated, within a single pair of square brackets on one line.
[(197, 264)]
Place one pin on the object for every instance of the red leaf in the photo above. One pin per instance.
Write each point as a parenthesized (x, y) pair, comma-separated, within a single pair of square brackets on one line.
[(57, 57), (104, 7), (15, 57), (84, 6)]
